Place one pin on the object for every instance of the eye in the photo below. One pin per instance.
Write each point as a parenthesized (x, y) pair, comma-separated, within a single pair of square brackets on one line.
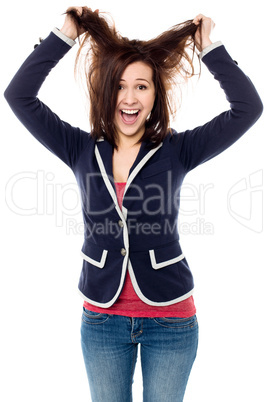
[(120, 87), (142, 87)]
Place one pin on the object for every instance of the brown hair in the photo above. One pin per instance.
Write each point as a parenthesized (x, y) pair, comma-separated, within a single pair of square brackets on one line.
[(109, 54)]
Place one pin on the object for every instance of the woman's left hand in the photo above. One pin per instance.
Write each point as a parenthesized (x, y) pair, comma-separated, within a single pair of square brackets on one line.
[(205, 27)]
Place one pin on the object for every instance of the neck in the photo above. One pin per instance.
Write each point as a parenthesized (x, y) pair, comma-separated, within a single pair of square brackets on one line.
[(128, 143)]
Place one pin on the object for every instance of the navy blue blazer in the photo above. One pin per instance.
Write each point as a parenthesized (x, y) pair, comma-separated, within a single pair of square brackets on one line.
[(142, 237)]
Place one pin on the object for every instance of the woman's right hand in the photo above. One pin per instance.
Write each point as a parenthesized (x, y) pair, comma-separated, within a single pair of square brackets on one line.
[(69, 27), (205, 27)]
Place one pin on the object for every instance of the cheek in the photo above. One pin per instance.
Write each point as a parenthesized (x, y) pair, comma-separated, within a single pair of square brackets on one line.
[(116, 118), (116, 111), (119, 98), (151, 102), (152, 97)]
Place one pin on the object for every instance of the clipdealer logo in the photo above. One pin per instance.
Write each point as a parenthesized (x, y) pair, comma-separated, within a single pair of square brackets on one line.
[(245, 201), (37, 193)]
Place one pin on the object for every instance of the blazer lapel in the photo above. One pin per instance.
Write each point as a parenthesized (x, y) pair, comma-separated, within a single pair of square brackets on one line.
[(143, 156), (104, 155), (105, 152)]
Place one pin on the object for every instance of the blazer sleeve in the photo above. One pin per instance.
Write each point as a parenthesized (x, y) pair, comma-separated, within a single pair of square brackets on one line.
[(203, 143), (62, 139)]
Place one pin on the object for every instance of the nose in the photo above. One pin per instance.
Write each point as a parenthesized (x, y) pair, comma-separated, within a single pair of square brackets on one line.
[(130, 97)]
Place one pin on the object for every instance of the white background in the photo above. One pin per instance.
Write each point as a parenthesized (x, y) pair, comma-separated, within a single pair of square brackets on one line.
[(40, 262)]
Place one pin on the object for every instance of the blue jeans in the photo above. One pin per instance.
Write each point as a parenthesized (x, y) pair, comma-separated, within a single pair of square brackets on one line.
[(168, 349)]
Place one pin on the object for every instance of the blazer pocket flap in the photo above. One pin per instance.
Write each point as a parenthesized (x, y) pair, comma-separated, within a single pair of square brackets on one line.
[(167, 255), (94, 254)]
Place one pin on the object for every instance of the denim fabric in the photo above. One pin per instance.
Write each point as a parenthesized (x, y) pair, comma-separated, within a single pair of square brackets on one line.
[(168, 349)]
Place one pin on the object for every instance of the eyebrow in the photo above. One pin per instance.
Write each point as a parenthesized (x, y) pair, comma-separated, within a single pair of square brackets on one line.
[(138, 79)]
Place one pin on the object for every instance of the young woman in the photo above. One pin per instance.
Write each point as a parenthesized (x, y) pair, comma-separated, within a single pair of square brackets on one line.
[(136, 284)]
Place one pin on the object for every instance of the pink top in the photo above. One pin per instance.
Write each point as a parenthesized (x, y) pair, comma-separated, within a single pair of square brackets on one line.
[(130, 305)]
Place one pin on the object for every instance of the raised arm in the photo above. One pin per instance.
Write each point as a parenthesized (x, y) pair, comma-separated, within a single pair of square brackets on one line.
[(203, 143), (59, 137)]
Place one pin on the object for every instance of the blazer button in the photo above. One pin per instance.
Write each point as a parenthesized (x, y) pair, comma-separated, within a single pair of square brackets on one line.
[(123, 251), (37, 44), (121, 223)]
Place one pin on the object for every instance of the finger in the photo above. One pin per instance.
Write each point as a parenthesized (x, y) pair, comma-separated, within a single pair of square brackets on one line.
[(86, 9), (78, 10), (198, 19)]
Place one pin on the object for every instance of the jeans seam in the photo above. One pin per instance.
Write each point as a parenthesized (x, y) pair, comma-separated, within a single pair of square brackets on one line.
[(190, 325), (97, 322), (133, 365), (136, 334)]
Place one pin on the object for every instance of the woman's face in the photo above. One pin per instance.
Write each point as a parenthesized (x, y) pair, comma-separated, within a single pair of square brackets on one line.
[(135, 100)]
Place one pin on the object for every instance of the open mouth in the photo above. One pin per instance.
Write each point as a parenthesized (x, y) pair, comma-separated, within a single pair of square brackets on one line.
[(129, 116)]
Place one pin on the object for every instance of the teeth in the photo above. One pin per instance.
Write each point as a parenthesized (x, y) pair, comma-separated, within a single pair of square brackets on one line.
[(130, 111)]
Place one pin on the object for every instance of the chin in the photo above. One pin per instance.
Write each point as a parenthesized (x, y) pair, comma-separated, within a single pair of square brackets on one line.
[(130, 131)]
